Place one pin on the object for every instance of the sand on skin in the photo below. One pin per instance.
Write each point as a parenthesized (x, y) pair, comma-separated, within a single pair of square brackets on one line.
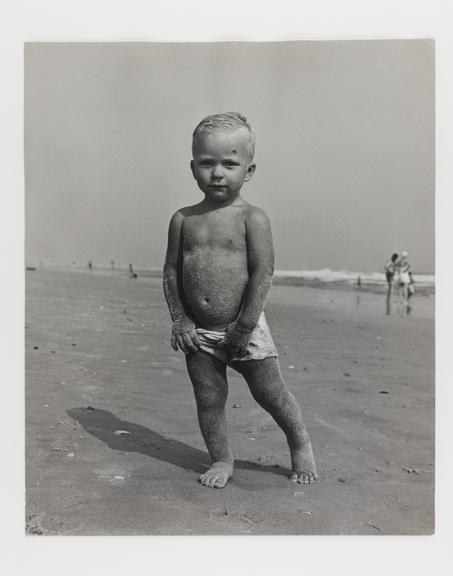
[(112, 442)]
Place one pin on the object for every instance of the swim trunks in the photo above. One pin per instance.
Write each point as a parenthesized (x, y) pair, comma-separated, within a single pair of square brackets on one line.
[(260, 346)]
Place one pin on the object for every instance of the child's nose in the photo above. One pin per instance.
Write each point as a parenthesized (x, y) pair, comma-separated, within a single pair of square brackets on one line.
[(217, 172)]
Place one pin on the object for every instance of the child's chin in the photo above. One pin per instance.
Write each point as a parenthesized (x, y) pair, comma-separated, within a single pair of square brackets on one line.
[(218, 195)]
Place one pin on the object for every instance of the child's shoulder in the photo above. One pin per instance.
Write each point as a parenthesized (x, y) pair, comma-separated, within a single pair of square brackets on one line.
[(177, 219), (256, 215), (186, 211)]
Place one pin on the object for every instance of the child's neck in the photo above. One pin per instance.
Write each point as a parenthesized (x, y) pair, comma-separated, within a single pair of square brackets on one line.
[(236, 201)]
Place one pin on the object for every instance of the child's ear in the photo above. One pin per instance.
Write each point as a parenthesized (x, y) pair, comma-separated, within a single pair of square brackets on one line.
[(192, 168), (250, 171)]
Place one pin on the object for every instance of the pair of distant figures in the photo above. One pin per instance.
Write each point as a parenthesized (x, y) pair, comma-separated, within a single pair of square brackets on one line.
[(132, 274), (399, 276)]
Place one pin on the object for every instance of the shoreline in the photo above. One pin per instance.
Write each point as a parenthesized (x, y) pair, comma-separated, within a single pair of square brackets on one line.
[(310, 280)]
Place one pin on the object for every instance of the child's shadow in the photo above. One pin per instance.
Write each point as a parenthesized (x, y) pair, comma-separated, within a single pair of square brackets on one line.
[(110, 429)]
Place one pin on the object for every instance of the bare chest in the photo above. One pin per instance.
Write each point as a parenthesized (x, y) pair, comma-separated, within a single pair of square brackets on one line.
[(219, 231)]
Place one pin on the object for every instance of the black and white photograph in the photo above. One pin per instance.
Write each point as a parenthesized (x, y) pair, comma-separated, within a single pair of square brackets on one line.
[(230, 288), (226, 246)]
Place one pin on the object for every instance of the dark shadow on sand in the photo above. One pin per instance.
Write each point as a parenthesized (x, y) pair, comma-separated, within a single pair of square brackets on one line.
[(103, 425)]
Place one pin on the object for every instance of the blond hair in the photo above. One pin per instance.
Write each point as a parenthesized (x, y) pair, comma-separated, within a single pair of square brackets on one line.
[(227, 121)]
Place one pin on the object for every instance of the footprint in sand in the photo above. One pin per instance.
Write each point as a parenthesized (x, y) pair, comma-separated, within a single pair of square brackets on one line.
[(89, 392), (219, 514), (113, 475), (33, 524), (144, 348)]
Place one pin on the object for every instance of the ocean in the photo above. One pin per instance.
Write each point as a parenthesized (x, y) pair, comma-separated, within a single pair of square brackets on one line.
[(325, 277)]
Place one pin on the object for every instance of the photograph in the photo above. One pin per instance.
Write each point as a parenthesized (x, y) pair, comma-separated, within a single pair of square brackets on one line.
[(230, 288)]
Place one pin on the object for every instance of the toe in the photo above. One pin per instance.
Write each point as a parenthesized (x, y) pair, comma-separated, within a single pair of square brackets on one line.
[(211, 482), (303, 477), (204, 480), (311, 478)]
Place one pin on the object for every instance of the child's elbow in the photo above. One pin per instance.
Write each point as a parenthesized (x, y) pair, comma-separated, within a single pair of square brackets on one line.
[(263, 272), (267, 267), (169, 268)]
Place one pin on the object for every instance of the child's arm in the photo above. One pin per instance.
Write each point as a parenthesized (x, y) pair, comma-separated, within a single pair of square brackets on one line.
[(260, 260), (183, 333)]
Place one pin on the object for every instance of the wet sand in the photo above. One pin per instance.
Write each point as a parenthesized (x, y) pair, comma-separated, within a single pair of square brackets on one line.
[(112, 440)]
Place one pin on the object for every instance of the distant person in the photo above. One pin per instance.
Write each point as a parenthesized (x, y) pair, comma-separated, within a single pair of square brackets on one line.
[(390, 269), (216, 288), (411, 287), (403, 276), (90, 265), (132, 274)]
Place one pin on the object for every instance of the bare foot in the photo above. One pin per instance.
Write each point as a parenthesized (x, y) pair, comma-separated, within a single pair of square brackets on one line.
[(304, 467), (218, 475)]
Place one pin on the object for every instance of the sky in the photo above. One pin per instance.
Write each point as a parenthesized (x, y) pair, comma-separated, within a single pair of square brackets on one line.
[(345, 149)]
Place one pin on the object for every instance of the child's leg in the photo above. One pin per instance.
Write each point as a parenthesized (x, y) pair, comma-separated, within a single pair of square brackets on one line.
[(269, 390), (208, 376)]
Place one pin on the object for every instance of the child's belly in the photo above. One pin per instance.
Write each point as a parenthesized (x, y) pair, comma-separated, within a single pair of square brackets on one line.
[(214, 282)]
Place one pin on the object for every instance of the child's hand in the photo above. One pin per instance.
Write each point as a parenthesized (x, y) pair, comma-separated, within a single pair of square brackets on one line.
[(184, 335), (236, 340)]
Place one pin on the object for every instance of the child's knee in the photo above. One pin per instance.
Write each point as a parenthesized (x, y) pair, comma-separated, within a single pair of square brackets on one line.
[(274, 395), (210, 401)]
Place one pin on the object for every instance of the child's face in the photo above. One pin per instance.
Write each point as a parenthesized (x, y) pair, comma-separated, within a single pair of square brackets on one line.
[(221, 164)]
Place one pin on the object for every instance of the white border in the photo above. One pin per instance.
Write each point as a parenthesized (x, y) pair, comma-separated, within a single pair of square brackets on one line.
[(209, 20)]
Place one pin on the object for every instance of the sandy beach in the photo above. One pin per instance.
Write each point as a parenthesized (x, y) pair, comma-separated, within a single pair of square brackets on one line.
[(112, 440)]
